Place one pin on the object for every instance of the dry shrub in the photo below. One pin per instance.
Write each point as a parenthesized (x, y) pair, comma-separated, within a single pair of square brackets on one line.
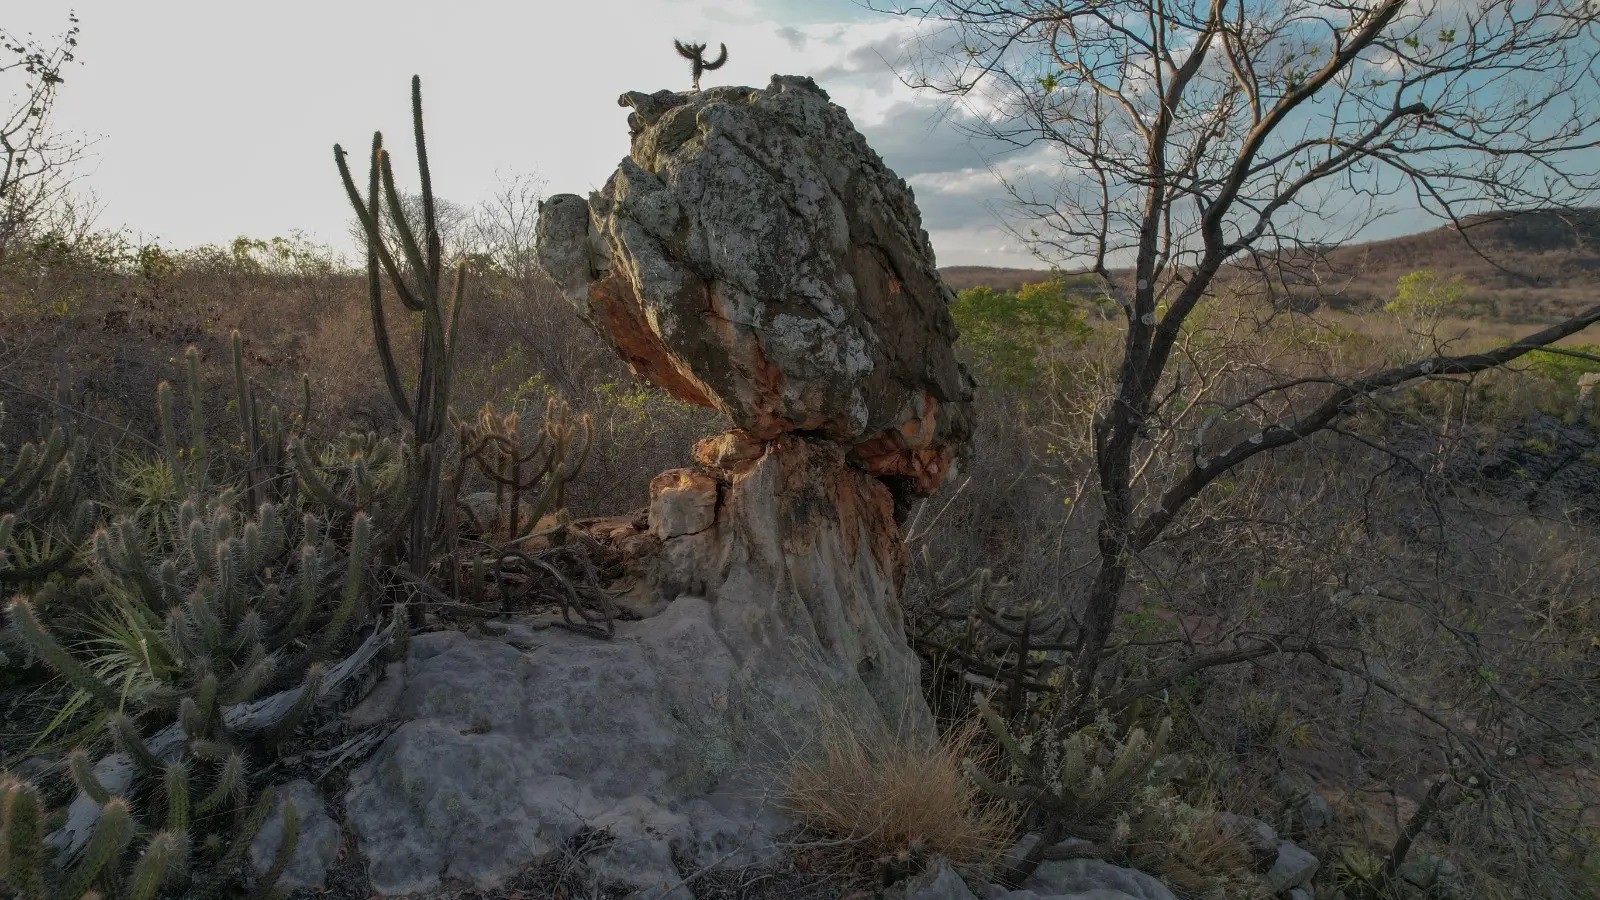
[(888, 797)]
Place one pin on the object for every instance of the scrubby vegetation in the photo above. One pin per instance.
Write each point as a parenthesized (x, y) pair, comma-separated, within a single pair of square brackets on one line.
[(204, 584), (234, 479)]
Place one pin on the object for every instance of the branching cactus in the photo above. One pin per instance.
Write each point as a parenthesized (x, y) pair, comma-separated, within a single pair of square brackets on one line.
[(1078, 784), (696, 55), (519, 470), (970, 635), (416, 280)]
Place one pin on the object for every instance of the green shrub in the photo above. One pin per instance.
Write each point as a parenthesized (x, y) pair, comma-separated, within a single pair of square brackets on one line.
[(1561, 367), (1424, 294), (1006, 331)]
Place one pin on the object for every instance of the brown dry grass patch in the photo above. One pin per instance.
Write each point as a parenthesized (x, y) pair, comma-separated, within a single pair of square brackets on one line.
[(882, 795)]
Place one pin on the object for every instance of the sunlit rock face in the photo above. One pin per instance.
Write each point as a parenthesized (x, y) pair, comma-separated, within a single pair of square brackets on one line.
[(752, 253)]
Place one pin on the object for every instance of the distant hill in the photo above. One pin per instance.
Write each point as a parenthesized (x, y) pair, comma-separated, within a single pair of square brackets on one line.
[(1527, 265), (1539, 265), (962, 277)]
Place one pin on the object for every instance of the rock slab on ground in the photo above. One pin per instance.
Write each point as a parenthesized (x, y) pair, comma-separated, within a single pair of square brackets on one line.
[(1294, 867), (1079, 878), (672, 735), (316, 845)]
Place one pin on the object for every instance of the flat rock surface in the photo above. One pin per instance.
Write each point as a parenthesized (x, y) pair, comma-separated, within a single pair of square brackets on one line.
[(316, 844)]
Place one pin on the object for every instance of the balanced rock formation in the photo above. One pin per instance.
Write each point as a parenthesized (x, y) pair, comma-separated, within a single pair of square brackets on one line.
[(753, 254)]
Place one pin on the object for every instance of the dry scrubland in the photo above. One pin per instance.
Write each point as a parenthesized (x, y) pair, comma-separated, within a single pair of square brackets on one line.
[(235, 481), (1445, 539)]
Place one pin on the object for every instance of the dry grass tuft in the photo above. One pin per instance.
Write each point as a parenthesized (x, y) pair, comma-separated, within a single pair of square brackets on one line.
[(884, 797)]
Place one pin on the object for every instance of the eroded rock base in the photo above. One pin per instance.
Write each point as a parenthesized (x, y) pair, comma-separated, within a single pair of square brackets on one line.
[(776, 578)]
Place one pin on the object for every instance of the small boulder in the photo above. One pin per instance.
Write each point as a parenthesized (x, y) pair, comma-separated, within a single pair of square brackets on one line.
[(682, 501), (1073, 877), (1310, 810), (1256, 836), (937, 882), (315, 848), (1294, 867)]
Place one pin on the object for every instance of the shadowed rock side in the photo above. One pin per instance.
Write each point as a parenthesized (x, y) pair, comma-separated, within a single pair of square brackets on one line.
[(769, 593), (752, 253)]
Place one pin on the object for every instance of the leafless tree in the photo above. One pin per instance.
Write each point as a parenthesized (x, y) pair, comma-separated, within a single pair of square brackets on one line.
[(36, 161), (1196, 141)]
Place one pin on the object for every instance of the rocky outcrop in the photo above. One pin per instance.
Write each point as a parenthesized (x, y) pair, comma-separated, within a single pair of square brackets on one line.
[(752, 253), (780, 570)]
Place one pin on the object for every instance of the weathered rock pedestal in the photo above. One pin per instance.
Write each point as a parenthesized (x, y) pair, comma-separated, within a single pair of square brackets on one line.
[(781, 574), (751, 254)]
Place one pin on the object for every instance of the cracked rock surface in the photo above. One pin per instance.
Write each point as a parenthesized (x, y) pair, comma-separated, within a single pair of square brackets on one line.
[(752, 253)]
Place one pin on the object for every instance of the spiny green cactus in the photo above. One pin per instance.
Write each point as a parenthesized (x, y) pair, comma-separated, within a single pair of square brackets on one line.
[(695, 54), (22, 849), (111, 837), (43, 516), (28, 872), (162, 859), (208, 604), (268, 473)]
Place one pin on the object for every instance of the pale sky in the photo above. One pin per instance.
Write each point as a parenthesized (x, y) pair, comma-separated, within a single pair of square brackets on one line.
[(216, 119)]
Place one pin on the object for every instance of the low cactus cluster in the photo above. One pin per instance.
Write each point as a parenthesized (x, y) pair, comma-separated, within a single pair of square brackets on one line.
[(1077, 783), (231, 583), (227, 584), (43, 515)]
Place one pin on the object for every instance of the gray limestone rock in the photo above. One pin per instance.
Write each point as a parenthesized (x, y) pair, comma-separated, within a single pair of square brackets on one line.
[(315, 848), (752, 253), (1075, 877), (671, 735), (1294, 867)]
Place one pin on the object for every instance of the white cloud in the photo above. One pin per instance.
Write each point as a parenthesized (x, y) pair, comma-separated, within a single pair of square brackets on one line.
[(219, 118)]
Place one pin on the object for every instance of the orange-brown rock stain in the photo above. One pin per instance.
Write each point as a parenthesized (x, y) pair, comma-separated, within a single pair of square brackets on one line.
[(613, 306)]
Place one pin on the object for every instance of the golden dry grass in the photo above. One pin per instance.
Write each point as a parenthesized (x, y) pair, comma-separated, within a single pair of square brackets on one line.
[(883, 795)]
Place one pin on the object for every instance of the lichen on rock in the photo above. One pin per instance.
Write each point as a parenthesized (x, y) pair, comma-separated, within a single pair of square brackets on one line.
[(752, 253)]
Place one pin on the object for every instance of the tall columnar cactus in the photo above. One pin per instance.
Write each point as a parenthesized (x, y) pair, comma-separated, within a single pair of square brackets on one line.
[(495, 445), (416, 280), (695, 54)]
